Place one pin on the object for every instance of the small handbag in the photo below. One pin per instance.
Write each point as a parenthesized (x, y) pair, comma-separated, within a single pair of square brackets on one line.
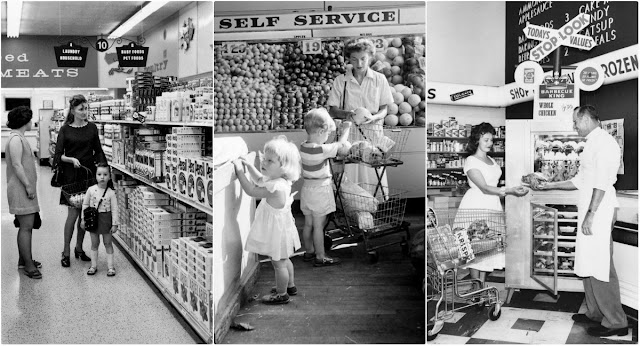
[(91, 216), (56, 179)]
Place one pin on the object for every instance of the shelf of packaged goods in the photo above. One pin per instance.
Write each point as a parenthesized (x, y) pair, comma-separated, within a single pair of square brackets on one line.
[(160, 123), (459, 138), (461, 152), (572, 237), (443, 187), (550, 271), (445, 169), (549, 253), (162, 188), (163, 286)]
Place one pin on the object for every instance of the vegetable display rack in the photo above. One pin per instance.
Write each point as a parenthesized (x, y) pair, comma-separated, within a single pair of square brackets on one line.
[(369, 211), (477, 233)]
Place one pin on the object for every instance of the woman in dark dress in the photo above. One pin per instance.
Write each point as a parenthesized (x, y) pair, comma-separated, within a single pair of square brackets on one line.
[(78, 145)]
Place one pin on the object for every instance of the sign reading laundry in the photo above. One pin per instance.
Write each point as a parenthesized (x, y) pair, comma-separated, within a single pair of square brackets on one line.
[(71, 55), (461, 95), (307, 20), (132, 55)]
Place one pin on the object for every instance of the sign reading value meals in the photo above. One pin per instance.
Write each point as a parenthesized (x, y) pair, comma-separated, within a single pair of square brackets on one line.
[(312, 20)]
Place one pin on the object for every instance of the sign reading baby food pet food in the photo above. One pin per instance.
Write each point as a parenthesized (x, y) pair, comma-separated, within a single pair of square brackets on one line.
[(132, 55), (555, 99)]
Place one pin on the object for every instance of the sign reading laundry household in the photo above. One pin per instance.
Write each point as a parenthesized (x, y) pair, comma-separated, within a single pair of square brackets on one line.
[(312, 20), (132, 55), (30, 62), (71, 55)]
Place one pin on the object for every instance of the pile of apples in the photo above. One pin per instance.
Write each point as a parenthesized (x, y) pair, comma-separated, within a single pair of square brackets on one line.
[(400, 64), (305, 82)]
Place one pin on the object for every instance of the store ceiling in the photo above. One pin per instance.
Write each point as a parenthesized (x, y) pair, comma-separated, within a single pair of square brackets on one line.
[(84, 18)]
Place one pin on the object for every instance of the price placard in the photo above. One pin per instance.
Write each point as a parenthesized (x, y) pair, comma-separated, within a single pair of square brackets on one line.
[(312, 46), (234, 48), (380, 43)]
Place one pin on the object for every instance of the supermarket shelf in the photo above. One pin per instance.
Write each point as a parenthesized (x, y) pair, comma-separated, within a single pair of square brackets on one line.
[(202, 332), (549, 253), (551, 237), (445, 169), (465, 138), (442, 187), (461, 152), (550, 271), (163, 123), (162, 188)]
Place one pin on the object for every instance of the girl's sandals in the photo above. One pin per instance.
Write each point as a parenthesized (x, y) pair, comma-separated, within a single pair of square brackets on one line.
[(292, 291), (111, 272), (276, 299), (92, 271), (34, 274)]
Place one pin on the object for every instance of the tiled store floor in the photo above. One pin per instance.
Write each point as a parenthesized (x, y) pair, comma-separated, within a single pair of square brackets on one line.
[(530, 318), (67, 306)]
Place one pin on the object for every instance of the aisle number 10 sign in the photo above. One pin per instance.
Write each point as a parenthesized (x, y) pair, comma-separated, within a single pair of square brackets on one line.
[(312, 47)]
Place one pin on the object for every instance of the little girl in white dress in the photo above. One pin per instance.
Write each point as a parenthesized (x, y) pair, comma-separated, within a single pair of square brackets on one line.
[(273, 231)]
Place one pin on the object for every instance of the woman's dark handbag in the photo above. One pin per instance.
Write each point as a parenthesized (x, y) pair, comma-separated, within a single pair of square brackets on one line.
[(56, 179), (91, 216), (37, 222)]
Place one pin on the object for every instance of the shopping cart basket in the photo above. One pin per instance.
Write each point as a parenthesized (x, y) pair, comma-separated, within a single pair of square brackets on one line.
[(455, 238), (74, 192), (373, 145)]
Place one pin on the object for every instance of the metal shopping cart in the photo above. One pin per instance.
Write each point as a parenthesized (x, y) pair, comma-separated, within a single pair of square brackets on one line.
[(456, 238), (368, 211)]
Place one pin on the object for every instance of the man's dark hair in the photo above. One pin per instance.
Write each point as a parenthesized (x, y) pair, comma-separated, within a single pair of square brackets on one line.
[(588, 110)]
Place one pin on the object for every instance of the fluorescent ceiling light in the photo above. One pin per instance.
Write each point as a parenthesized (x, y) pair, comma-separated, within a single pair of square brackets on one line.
[(14, 17), (145, 12)]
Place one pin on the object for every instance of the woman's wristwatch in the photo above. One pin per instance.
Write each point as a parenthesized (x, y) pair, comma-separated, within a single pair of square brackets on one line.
[(503, 191)]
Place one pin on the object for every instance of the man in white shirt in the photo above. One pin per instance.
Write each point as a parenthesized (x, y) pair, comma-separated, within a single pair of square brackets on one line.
[(599, 163)]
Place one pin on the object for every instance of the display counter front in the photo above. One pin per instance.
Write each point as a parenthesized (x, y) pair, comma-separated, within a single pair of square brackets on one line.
[(408, 176)]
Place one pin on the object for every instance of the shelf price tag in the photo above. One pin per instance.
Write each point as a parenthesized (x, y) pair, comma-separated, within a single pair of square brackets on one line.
[(312, 47), (234, 48), (380, 43)]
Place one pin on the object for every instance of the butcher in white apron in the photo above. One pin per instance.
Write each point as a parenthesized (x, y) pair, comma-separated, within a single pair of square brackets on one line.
[(599, 163)]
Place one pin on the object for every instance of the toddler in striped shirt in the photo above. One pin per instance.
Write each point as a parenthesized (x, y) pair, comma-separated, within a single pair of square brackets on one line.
[(316, 198)]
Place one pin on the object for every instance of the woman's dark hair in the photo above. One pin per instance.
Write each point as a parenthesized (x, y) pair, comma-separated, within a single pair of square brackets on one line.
[(359, 45), (106, 165), (75, 101), (18, 117), (477, 132)]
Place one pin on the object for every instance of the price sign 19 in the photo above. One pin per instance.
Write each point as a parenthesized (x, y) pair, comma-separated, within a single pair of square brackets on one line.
[(311, 46)]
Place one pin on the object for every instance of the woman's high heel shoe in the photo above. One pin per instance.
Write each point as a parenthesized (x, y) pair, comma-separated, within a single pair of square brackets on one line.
[(65, 261), (81, 255)]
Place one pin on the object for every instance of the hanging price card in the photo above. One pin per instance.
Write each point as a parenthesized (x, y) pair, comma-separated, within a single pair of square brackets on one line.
[(380, 43), (311, 46), (234, 48)]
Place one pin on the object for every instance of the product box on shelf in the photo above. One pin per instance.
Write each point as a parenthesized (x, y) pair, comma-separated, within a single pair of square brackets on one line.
[(186, 130), (205, 301), (191, 177), (184, 289), (200, 182), (182, 176), (209, 182)]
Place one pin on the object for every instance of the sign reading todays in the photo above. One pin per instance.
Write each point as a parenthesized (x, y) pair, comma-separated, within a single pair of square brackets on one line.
[(70, 55), (132, 55), (565, 36)]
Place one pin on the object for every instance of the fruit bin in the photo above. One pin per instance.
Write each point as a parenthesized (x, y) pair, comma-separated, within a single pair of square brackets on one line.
[(273, 84)]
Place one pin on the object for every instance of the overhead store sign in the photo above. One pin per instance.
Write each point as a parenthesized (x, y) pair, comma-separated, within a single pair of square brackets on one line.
[(312, 20), (71, 55), (552, 39), (132, 55), (555, 100)]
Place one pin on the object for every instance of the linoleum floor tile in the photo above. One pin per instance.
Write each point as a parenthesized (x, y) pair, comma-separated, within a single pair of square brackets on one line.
[(67, 306)]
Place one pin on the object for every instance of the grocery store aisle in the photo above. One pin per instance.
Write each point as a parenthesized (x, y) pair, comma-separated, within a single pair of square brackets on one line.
[(68, 306)]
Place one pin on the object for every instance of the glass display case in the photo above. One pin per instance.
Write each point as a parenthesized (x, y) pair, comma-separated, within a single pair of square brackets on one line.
[(557, 155), (553, 244)]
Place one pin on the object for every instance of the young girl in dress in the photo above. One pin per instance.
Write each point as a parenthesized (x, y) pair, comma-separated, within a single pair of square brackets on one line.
[(273, 231), (107, 217)]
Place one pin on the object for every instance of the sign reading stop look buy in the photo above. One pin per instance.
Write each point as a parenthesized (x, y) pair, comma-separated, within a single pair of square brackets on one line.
[(551, 39)]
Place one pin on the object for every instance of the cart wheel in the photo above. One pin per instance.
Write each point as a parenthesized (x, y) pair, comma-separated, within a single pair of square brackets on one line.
[(429, 335), (327, 242), (492, 315), (373, 256)]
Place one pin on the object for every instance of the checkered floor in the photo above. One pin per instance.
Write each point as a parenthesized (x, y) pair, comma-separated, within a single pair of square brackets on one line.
[(531, 318)]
